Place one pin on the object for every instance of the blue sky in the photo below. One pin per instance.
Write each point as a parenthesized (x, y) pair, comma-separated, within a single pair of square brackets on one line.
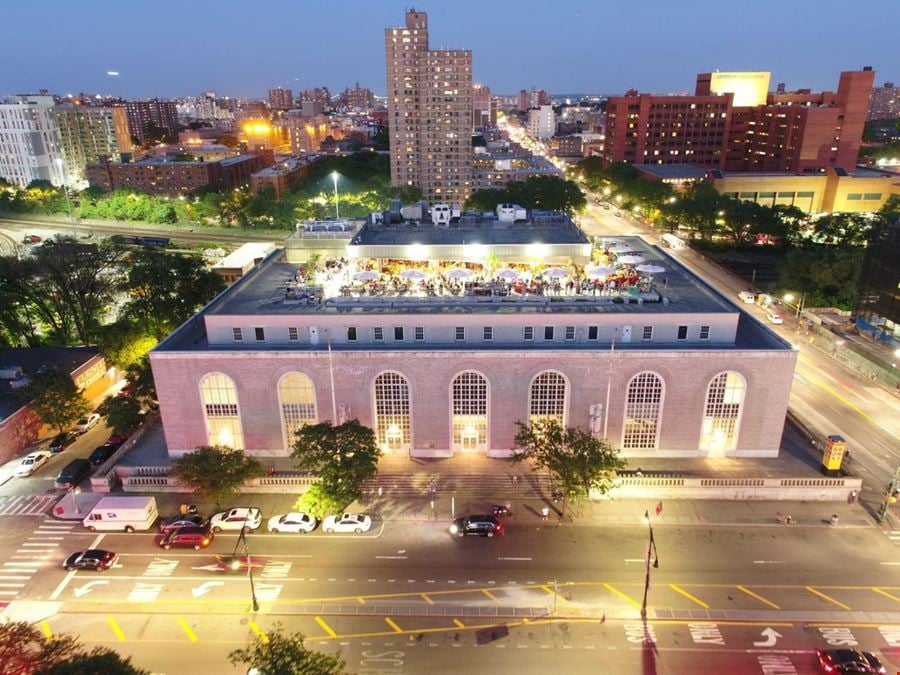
[(165, 48)]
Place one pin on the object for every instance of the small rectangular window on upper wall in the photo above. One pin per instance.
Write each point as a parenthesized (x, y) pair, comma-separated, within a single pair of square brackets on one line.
[(260, 333), (398, 333), (420, 333), (704, 332), (488, 333), (237, 334), (293, 333), (460, 333), (570, 332), (528, 333), (682, 332), (351, 333), (593, 332), (647, 335), (548, 332), (378, 333)]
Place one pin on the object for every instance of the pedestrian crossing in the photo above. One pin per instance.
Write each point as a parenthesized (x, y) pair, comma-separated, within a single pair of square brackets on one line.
[(894, 536), (34, 553), (26, 505)]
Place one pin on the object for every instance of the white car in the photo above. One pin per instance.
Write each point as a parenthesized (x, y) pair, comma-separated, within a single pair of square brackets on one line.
[(293, 522), (32, 462), (774, 318), (237, 519), (348, 522), (86, 423)]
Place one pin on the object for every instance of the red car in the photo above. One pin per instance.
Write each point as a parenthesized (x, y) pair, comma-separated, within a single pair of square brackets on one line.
[(32, 239)]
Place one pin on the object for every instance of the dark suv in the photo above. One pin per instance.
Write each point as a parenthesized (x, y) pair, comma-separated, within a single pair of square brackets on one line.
[(73, 473), (483, 526), (191, 537), (102, 453)]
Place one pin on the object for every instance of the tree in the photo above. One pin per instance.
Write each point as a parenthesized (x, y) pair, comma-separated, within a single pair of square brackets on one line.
[(98, 660), (215, 473), (55, 399), (344, 457), (285, 654), (140, 379), (575, 457), (166, 289), (124, 344), (122, 413)]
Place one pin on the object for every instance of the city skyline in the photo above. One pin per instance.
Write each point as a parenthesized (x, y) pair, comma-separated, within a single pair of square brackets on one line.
[(568, 51)]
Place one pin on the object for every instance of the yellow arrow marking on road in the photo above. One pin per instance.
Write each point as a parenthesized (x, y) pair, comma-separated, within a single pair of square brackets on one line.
[(192, 636), (390, 622), (118, 631), (678, 589), (827, 597), (458, 623), (489, 594), (610, 588), (758, 597), (886, 594), (324, 626), (46, 628), (426, 598), (260, 633)]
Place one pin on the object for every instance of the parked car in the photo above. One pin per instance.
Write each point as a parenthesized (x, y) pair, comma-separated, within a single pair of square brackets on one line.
[(61, 441), (848, 661), (31, 239), (102, 453), (192, 537), (292, 522), (87, 422), (93, 559), (32, 462), (481, 526), (73, 473), (177, 522), (241, 518), (774, 318), (348, 522), (119, 439), (747, 297)]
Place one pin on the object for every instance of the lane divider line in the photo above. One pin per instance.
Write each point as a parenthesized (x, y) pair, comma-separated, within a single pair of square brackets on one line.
[(260, 633), (612, 589), (828, 598), (886, 594), (46, 628), (759, 597), (683, 592), (120, 636), (324, 626), (192, 636), (390, 622)]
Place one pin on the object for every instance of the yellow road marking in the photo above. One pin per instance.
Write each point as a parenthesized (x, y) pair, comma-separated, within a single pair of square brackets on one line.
[(46, 628), (324, 626), (828, 598), (361, 601), (678, 589), (559, 596), (426, 598), (489, 594), (390, 622), (621, 595), (759, 597), (260, 633), (118, 631), (886, 594), (458, 623), (192, 636)]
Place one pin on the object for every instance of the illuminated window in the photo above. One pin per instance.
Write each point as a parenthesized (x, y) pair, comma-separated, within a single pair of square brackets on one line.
[(547, 398), (469, 411), (220, 406), (643, 402), (722, 413), (392, 412), (298, 404)]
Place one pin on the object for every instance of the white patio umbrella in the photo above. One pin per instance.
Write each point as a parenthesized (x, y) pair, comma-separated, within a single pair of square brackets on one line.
[(629, 259), (459, 273), (507, 274), (619, 247), (413, 275), (556, 273), (365, 276), (599, 272), (650, 268)]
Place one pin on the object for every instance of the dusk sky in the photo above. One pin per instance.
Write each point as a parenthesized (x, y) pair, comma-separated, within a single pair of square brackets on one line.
[(167, 48)]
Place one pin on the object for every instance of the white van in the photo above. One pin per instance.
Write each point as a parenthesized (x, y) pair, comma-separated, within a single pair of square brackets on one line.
[(122, 514), (747, 297)]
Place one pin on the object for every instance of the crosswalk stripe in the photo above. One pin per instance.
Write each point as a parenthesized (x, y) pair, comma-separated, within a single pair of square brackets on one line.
[(26, 505)]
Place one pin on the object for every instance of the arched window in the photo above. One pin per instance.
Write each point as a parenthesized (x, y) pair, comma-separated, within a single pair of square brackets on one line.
[(392, 411), (469, 411), (643, 402), (547, 398), (298, 404), (220, 407), (722, 413)]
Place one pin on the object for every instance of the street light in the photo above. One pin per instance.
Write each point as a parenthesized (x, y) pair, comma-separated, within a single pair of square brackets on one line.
[(651, 547), (337, 208), (788, 297), (236, 564), (61, 163), (75, 491)]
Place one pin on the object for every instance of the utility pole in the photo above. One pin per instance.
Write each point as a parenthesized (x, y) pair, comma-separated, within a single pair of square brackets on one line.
[(890, 496)]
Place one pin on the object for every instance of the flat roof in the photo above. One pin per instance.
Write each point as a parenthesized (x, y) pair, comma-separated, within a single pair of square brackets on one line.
[(246, 253), (31, 359)]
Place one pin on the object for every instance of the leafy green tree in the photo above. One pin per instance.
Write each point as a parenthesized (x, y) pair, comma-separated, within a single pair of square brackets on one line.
[(98, 660), (317, 502), (843, 229), (550, 193), (828, 275), (381, 139), (123, 413), (284, 653), (24, 650), (216, 473), (166, 289), (580, 461), (344, 456), (123, 343), (140, 379), (54, 397)]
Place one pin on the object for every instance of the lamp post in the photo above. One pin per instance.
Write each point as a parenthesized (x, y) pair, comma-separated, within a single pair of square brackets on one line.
[(337, 207), (61, 163), (75, 491), (651, 547), (243, 538), (788, 298)]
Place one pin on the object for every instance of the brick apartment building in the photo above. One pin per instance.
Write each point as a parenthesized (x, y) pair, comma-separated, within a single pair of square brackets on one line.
[(733, 123), (153, 112)]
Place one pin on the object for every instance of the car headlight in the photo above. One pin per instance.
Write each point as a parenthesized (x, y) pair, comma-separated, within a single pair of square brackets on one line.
[(454, 529)]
